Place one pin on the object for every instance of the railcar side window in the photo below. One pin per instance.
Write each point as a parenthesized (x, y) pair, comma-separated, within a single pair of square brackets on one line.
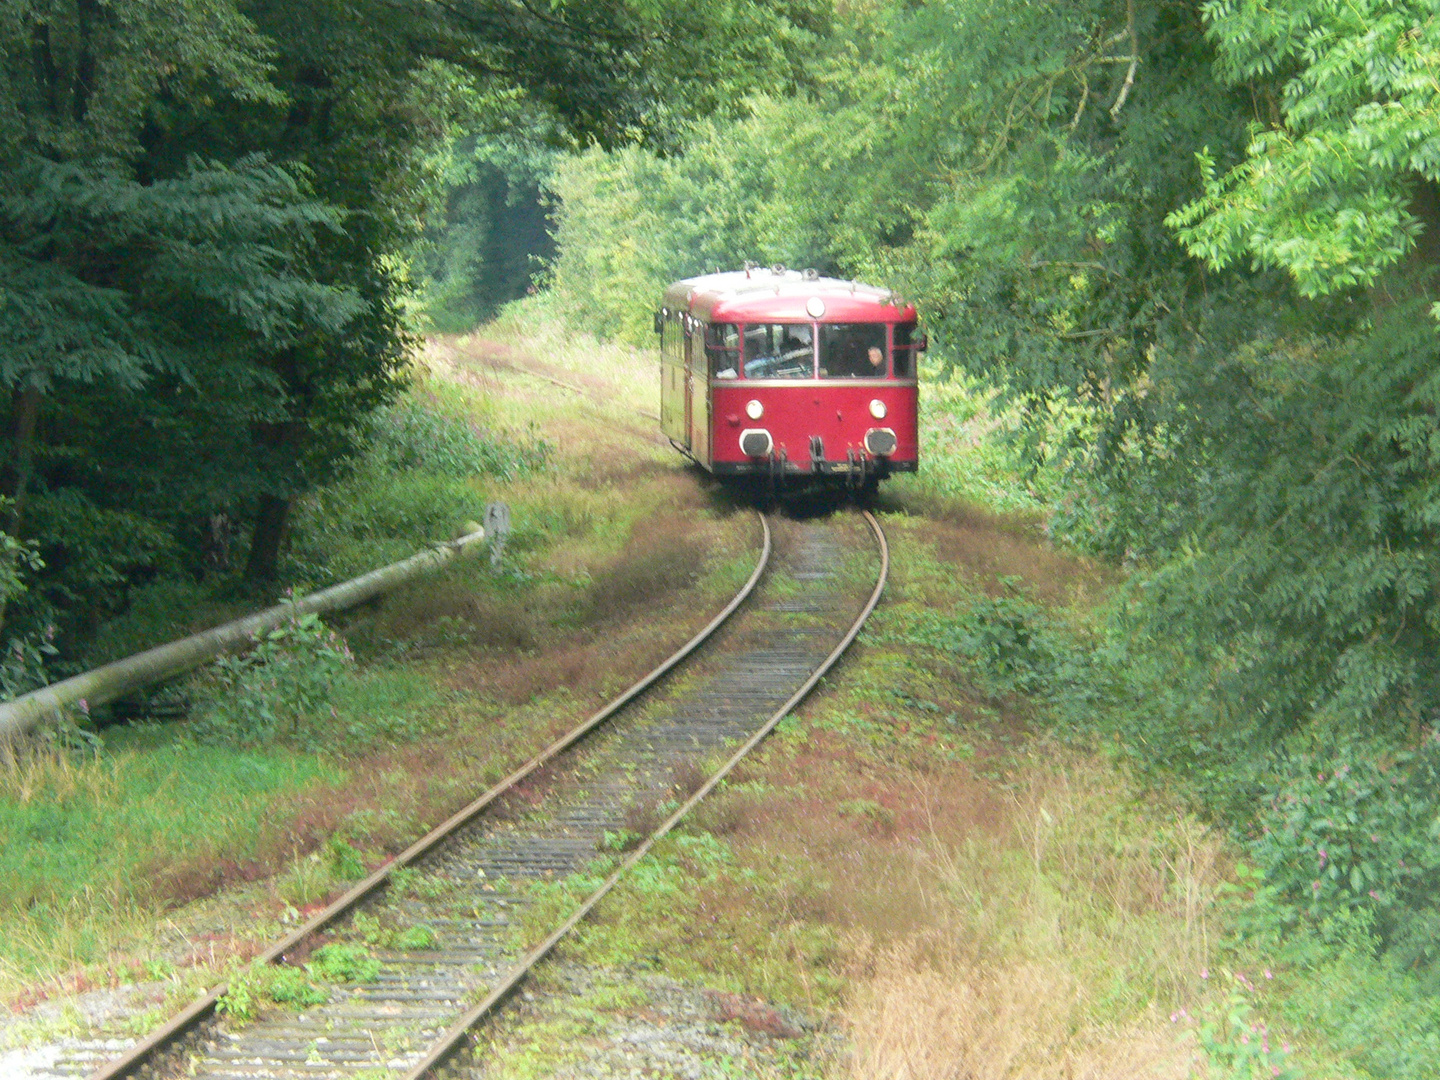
[(670, 342), (852, 350), (779, 351), (722, 345), (904, 350)]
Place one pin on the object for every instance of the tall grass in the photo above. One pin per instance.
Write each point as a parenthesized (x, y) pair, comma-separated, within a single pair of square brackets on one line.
[(1056, 945), (87, 840)]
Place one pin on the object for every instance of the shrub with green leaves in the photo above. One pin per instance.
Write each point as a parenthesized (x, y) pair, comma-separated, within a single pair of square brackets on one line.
[(272, 693), (414, 434), (1354, 828), (1012, 644), (1237, 1043)]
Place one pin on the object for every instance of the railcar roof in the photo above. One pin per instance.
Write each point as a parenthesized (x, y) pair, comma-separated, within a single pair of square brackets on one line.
[(767, 295)]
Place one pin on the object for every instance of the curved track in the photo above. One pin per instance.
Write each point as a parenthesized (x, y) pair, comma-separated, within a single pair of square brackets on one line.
[(447, 935)]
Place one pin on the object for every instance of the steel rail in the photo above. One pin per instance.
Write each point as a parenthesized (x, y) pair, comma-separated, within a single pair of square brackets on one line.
[(453, 1039), (195, 1013)]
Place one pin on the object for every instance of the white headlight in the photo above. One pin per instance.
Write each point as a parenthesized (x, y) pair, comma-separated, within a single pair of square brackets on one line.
[(877, 409), (754, 410)]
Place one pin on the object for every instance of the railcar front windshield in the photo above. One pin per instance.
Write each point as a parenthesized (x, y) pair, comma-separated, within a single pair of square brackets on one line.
[(852, 351), (722, 345), (906, 346), (779, 351), (789, 351)]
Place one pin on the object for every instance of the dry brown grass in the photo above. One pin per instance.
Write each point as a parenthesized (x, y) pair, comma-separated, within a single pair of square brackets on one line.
[(488, 619), (987, 546), (919, 1016), (663, 555), (1045, 939), (1042, 927)]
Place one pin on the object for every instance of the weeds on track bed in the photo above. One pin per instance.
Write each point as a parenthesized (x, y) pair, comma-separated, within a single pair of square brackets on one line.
[(913, 861)]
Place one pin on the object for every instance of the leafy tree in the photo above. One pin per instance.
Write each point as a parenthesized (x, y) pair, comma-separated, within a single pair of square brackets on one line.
[(1253, 423), (1337, 183), (208, 214)]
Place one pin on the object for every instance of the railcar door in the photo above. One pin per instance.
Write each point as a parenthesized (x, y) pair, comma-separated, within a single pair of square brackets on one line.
[(674, 390), (697, 401)]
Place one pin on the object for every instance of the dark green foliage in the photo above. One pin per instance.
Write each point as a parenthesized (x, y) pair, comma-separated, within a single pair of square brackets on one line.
[(493, 237), (207, 210), (408, 435), (1372, 1009), (1009, 641), (1343, 830)]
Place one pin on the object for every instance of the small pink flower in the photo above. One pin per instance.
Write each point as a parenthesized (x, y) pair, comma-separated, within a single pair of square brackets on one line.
[(1374, 895), (1204, 973), (1268, 974)]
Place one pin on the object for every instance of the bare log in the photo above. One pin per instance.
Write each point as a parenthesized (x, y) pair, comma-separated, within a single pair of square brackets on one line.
[(116, 679)]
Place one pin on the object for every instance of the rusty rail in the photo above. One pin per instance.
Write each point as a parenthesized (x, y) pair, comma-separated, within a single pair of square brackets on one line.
[(138, 1056)]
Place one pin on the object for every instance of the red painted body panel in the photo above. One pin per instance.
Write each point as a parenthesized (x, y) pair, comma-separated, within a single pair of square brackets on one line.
[(761, 296), (838, 412)]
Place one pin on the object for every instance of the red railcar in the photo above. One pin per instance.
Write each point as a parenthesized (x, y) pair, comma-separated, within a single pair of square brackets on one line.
[(785, 374)]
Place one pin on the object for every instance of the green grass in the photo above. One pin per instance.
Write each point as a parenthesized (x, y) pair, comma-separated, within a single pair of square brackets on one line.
[(81, 835)]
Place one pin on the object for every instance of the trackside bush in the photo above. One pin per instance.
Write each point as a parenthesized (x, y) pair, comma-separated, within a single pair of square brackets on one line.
[(1010, 641), (1355, 829), (271, 693), (412, 434)]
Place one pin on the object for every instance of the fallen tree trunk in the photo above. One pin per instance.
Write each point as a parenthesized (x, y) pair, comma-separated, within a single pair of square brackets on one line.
[(114, 680)]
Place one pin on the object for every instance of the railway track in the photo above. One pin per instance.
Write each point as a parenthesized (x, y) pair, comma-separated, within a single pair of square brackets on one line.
[(446, 937)]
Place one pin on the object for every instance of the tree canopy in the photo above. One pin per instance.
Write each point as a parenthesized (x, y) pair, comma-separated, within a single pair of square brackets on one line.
[(1204, 234), (210, 212)]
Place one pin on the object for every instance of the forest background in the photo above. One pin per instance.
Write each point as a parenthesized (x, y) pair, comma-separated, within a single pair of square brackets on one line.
[(1183, 253)]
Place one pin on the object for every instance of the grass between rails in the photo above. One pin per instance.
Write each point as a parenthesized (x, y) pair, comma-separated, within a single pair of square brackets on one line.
[(461, 676)]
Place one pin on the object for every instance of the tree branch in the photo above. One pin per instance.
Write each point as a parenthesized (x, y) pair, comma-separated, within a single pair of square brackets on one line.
[(1134, 60)]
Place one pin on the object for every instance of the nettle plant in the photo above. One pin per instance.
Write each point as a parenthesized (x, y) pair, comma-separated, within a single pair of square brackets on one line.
[(273, 692), (1353, 829)]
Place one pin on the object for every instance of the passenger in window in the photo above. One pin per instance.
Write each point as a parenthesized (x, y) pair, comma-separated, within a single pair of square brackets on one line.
[(876, 356)]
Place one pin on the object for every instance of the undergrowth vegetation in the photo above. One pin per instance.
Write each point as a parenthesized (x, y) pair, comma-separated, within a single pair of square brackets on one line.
[(1005, 844), (964, 895), (331, 743), (1335, 828)]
